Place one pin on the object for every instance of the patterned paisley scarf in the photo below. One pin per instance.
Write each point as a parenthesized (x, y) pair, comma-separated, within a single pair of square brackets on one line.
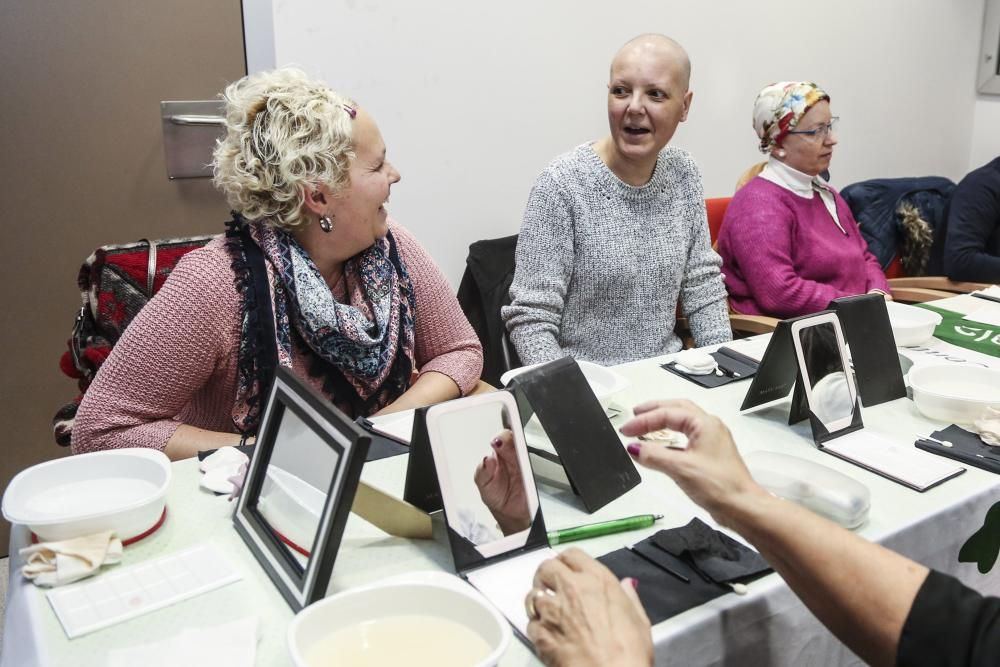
[(363, 349)]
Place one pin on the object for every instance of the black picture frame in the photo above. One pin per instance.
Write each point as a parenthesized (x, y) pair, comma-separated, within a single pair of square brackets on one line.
[(300, 586)]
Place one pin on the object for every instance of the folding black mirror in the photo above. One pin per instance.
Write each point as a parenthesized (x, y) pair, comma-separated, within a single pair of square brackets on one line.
[(299, 488)]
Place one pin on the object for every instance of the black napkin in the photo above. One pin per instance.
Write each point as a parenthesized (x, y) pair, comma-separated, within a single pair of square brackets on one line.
[(728, 360), (713, 555), (965, 447), (662, 595)]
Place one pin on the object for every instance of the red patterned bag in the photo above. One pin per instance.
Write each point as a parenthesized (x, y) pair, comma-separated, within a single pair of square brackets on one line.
[(116, 281)]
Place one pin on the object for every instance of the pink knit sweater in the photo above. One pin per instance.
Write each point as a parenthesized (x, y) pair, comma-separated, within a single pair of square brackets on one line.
[(177, 362), (783, 255)]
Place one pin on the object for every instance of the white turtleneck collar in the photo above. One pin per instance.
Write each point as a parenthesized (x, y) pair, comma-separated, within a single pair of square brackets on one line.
[(791, 179)]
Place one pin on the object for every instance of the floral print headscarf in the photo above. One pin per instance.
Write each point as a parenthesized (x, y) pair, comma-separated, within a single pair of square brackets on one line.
[(779, 108)]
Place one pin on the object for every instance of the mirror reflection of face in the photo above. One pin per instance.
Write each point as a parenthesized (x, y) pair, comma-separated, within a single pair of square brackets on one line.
[(485, 470), (298, 476), (831, 398)]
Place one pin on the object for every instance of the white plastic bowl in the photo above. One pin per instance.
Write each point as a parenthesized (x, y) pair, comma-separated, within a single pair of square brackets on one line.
[(292, 506), (425, 593), (603, 381), (911, 325), (123, 490), (958, 393)]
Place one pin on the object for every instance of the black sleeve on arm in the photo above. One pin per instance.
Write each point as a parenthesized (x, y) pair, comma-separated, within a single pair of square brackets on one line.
[(973, 226), (950, 625)]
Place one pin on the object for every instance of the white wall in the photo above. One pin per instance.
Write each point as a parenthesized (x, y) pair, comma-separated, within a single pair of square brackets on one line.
[(474, 98), (985, 131)]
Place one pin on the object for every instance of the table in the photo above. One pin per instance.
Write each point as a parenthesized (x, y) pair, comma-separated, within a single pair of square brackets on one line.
[(768, 626)]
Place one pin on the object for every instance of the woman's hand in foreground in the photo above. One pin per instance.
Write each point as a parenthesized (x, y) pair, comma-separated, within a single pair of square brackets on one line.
[(582, 616), (710, 471)]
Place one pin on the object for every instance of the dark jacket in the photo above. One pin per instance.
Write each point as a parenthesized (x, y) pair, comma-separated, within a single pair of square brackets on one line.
[(489, 271), (972, 241), (876, 206)]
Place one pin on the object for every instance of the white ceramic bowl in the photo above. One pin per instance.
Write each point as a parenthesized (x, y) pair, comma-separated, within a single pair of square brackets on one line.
[(425, 593), (958, 393), (604, 382), (123, 490), (911, 325)]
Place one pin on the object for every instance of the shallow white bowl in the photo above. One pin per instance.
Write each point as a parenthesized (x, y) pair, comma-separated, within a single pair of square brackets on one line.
[(958, 393), (603, 381), (426, 593), (911, 325), (123, 490)]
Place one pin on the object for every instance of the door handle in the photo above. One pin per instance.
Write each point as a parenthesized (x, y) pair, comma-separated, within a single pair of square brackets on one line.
[(197, 119)]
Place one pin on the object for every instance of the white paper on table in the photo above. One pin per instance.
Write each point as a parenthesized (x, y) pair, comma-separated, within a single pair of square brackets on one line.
[(506, 584), (992, 290), (399, 425), (988, 313)]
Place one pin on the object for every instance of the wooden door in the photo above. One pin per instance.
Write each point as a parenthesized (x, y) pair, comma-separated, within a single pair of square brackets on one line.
[(82, 165)]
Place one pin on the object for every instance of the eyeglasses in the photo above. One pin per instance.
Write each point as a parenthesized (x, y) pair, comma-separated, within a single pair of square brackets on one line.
[(821, 132)]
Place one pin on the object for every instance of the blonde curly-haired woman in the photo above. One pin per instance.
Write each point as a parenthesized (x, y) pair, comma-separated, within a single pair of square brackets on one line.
[(358, 307)]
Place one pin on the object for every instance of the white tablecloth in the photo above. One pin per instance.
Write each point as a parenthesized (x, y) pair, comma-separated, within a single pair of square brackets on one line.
[(767, 626)]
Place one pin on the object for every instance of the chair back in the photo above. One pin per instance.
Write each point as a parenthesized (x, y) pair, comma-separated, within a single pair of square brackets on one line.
[(484, 290), (716, 209)]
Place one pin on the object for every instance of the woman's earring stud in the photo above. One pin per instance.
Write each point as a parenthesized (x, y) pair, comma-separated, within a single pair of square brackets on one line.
[(326, 224)]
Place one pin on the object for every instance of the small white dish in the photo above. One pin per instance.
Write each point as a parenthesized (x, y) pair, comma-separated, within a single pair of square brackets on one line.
[(603, 381), (911, 326), (122, 490), (434, 594), (957, 393)]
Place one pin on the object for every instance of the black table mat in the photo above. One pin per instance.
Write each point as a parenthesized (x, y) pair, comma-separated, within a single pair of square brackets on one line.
[(965, 448), (727, 359)]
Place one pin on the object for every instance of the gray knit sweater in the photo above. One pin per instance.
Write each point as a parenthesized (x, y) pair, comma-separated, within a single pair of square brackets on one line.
[(601, 264)]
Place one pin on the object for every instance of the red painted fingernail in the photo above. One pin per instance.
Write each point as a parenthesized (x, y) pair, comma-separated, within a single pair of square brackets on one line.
[(496, 442), (634, 449), (635, 583)]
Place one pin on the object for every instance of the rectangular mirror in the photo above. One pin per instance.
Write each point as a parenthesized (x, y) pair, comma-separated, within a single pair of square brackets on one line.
[(487, 489), (827, 382), (299, 488)]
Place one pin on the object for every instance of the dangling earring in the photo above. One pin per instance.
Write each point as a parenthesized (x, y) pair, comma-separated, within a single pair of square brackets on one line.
[(326, 224)]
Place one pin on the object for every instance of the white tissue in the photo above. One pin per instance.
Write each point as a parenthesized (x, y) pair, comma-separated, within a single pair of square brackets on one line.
[(218, 467)]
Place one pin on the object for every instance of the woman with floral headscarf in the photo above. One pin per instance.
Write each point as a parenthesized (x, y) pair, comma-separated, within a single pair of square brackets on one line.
[(789, 243), (312, 275)]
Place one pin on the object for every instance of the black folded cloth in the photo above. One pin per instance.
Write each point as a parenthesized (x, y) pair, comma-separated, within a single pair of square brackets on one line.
[(662, 595), (706, 557), (713, 555)]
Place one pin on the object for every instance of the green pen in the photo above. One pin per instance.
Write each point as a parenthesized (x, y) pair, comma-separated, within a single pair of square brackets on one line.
[(602, 528)]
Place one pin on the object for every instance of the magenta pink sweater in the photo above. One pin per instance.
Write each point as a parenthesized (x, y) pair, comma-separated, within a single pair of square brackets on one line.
[(177, 362), (783, 255)]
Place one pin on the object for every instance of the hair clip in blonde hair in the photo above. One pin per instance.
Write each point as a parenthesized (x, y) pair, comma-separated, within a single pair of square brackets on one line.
[(353, 113)]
